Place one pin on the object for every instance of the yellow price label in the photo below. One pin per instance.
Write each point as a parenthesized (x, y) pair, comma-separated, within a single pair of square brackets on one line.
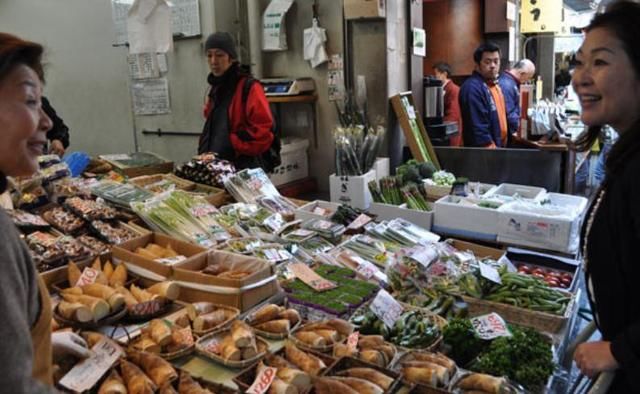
[(540, 16)]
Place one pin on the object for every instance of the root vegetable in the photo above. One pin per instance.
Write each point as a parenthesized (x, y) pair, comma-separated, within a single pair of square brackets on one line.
[(189, 386), (73, 273), (306, 362), (75, 311), (160, 332), (140, 294), (265, 314), (229, 351), (361, 386), (420, 375), (483, 382), (436, 358), (442, 373), (301, 380), (99, 307), (136, 380), (342, 350), (113, 384), (107, 293), (129, 299), (242, 335), (374, 357), (290, 314), (198, 308), (275, 326), (108, 269), (311, 338), (370, 341), (157, 368), (147, 344), (370, 375), (210, 320), (330, 336), (166, 289), (332, 386), (119, 276)]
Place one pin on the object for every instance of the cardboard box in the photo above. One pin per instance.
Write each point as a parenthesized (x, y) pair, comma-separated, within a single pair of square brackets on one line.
[(239, 293), (352, 190), (295, 162), (356, 9), (423, 219), (150, 269), (305, 212), (466, 221), (478, 250), (553, 231)]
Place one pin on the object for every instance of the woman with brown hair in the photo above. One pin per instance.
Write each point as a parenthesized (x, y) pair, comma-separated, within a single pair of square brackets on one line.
[(607, 82), (25, 307)]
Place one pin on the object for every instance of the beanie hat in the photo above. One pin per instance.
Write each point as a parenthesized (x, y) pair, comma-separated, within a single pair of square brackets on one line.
[(223, 41)]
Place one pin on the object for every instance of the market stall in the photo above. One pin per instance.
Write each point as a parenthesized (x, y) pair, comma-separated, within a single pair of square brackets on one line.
[(177, 283)]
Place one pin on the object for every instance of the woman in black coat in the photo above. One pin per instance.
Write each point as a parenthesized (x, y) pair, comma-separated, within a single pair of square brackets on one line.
[(607, 82)]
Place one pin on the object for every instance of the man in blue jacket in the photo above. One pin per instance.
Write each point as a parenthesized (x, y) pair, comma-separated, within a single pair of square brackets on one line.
[(484, 116), (510, 82)]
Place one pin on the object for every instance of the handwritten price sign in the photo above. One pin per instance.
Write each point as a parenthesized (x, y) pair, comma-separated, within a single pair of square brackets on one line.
[(146, 308), (309, 277), (263, 381), (490, 326), (89, 371), (386, 308), (352, 341), (89, 276)]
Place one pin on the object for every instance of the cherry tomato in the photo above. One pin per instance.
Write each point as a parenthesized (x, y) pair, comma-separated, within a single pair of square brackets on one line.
[(567, 276), (538, 275), (553, 283), (554, 274), (566, 281)]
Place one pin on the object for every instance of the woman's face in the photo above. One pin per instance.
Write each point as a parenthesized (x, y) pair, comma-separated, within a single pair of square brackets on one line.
[(605, 82), (23, 123)]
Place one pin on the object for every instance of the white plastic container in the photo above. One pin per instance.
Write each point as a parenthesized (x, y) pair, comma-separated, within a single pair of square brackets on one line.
[(509, 191), (381, 166), (423, 219), (554, 226), (313, 209), (454, 217), (295, 161), (352, 190)]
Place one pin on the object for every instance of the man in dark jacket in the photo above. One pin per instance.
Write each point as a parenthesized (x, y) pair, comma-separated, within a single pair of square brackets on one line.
[(236, 129), (510, 82), (484, 116), (58, 135)]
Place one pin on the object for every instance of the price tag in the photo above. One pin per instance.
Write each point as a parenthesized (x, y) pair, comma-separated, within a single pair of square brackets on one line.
[(263, 381), (184, 336), (464, 257), (490, 326), (88, 372), (146, 308), (490, 273), (309, 277), (386, 308), (213, 346), (504, 260), (171, 260), (274, 222), (89, 276), (424, 256), (365, 268), (321, 211), (352, 341), (359, 222), (203, 210)]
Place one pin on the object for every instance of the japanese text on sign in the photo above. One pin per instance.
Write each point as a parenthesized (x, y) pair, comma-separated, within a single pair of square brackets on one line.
[(309, 277), (541, 16), (386, 308), (263, 381), (490, 326)]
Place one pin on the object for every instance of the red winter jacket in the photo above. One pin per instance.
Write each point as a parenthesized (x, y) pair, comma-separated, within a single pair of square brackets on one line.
[(251, 123)]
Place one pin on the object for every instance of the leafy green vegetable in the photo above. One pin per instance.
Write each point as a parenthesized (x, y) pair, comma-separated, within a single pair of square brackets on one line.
[(465, 344), (524, 357)]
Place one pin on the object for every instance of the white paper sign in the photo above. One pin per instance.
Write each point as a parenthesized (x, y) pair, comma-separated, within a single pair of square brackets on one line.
[(143, 66), (263, 381), (274, 36), (185, 18), (490, 326), (89, 276), (149, 27), (151, 96), (87, 373), (504, 260), (386, 308), (424, 256), (490, 273)]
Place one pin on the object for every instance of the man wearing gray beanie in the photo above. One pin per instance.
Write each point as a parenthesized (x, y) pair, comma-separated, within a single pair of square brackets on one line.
[(238, 123)]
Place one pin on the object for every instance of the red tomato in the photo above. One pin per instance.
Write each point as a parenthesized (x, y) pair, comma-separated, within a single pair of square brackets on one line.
[(524, 269), (566, 281), (553, 282), (538, 275), (538, 271), (567, 276), (554, 274), (564, 285)]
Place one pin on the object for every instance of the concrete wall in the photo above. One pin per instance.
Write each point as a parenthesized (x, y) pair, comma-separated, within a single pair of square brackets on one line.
[(88, 80)]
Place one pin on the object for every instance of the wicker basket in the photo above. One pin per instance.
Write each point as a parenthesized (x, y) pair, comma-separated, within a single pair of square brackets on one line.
[(349, 362), (541, 321), (203, 342), (245, 379), (319, 349), (409, 356)]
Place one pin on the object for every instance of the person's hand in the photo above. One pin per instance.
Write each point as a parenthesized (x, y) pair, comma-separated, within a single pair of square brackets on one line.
[(56, 147), (595, 357), (68, 343)]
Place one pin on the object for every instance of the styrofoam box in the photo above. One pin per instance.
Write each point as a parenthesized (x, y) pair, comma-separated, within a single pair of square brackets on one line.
[(305, 212), (295, 161), (506, 191), (435, 192), (557, 233), (423, 219), (352, 190), (381, 166), (473, 222)]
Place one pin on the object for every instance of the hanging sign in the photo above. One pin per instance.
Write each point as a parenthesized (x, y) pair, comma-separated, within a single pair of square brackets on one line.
[(540, 16)]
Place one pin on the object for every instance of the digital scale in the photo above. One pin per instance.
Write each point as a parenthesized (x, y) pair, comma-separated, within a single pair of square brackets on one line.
[(287, 86)]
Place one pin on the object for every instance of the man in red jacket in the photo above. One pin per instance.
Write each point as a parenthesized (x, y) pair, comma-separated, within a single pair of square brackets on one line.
[(238, 123), (442, 71)]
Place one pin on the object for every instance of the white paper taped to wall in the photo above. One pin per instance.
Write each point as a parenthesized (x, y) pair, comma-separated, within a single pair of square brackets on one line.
[(149, 27), (274, 35), (150, 96)]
